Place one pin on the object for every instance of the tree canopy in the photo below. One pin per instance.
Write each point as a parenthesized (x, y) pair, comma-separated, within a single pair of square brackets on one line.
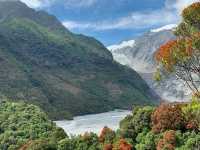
[(182, 55)]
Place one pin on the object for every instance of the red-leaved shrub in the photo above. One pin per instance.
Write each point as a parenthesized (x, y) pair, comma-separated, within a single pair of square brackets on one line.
[(108, 147), (168, 142), (167, 117), (107, 135), (122, 144)]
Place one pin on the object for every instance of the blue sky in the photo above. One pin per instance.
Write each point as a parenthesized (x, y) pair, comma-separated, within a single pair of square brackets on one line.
[(112, 21)]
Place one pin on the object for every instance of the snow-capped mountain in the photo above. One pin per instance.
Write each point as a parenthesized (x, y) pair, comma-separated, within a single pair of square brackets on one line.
[(164, 28), (130, 44), (139, 55)]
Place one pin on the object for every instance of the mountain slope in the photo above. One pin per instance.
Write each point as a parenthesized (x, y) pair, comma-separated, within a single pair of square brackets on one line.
[(63, 73), (140, 56)]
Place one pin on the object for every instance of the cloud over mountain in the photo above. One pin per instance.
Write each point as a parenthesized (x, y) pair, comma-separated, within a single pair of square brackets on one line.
[(67, 3), (136, 19), (114, 20), (140, 19)]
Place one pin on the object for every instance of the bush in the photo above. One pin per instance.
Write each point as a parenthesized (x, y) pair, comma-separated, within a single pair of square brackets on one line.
[(168, 142), (20, 123), (108, 147), (191, 15), (189, 141), (88, 141), (192, 112), (131, 126), (146, 141), (122, 144), (66, 144), (107, 135), (39, 145), (168, 117)]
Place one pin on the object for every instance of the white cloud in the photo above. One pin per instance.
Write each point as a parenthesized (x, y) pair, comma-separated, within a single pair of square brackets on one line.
[(32, 3), (135, 20), (38, 3), (179, 5), (167, 15), (79, 3), (67, 3)]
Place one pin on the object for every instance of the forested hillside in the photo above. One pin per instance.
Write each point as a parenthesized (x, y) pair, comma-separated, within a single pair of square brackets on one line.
[(43, 63)]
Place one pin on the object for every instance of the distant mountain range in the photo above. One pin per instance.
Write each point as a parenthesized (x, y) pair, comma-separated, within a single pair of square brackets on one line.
[(65, 74), (139, 53)]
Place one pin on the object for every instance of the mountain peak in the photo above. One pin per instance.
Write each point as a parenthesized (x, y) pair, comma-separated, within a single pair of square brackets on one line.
[(124, 44), (12, 2), (10, 9), (163, 28)]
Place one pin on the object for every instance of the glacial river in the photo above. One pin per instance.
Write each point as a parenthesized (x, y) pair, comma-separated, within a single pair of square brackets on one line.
[(93, 123)]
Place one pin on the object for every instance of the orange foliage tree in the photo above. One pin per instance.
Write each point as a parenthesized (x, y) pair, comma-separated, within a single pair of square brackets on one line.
[(122, 144), (107, 135), (168, 142), (182, 56), (167, 117)]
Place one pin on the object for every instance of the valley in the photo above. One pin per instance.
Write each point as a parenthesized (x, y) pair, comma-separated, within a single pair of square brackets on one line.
[(65, 74), (62, 87)]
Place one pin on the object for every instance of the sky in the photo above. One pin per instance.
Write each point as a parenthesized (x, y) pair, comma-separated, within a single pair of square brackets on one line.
[(113, 21)]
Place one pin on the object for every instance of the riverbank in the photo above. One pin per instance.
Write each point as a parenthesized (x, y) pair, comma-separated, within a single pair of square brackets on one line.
[(93, 123)]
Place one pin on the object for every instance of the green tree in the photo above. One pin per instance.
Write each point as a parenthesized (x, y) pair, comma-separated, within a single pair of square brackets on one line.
[(134, 124), (146, 141), (21, 123)]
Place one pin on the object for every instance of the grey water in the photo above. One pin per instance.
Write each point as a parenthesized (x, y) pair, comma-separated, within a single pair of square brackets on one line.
[(93, 123)]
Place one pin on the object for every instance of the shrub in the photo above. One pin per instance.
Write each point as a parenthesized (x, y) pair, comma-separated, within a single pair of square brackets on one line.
[(66, 144), (146, 141), (20, 123), (167, 117), (192, 112), (89, 141), (189, 141), (108, 147), (170, 137), (39, 145), (191, 15), (122, 144), (131, 126), (168, 142), (107, 135), (59, 134)]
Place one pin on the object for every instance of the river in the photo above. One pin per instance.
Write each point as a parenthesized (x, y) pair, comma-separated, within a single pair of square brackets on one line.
[(93, 123)]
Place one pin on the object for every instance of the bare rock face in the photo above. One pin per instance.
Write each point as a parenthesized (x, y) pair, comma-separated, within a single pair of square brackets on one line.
[(139, 55)]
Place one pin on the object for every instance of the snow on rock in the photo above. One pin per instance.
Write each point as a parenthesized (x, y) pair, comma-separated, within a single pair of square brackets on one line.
[(124, 44), (139, 55), (167, 27), (123, 59)]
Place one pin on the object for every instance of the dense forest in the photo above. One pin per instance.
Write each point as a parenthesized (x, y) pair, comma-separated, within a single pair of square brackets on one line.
[(167, 127), (170, 126)]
